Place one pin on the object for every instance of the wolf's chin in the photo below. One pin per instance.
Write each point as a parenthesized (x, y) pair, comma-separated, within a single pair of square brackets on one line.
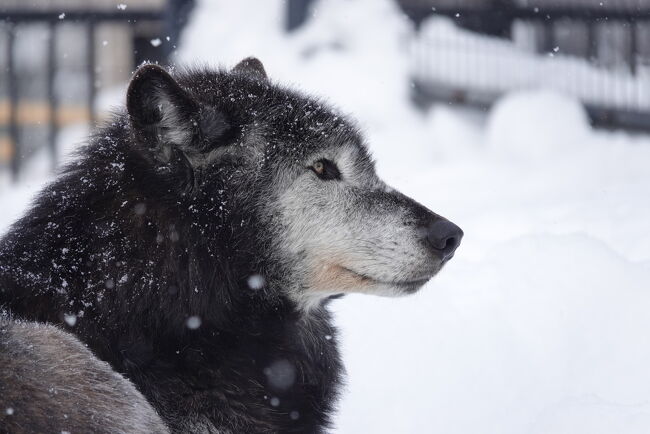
[(397, 287), (408, 288)]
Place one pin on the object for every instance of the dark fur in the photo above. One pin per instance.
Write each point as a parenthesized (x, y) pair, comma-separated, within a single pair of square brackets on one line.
[(137, 236)]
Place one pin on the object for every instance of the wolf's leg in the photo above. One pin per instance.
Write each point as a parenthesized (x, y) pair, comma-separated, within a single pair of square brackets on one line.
[(50, 382)]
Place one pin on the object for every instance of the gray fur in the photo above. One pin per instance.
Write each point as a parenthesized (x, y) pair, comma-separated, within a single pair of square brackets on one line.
[(51, 383), (354, 235)]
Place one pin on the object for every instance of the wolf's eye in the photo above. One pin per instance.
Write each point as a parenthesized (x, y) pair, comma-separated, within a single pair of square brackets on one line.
[(326, 170)]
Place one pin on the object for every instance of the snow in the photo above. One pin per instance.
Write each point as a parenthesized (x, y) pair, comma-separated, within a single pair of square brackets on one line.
[(255, 282), (35, 174), (535, 124), (281, 374), (193, 322), (70, 319), (539, 323)]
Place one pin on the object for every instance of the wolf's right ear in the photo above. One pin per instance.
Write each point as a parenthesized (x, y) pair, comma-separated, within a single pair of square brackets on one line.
[(162, 114)]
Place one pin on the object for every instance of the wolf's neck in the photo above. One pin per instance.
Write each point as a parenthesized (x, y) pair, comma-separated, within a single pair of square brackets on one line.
[(134, 264)]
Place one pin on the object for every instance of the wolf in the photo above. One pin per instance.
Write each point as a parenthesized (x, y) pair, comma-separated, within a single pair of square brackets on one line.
[(196, 243)]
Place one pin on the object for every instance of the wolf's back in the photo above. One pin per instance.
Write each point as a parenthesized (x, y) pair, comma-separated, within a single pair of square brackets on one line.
[(50, 382)]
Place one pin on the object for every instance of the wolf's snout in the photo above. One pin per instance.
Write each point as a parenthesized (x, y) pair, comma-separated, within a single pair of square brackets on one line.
[(444, 237)]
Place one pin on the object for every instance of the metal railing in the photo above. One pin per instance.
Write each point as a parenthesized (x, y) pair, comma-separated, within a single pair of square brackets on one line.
[(13, 20), (481, 57)]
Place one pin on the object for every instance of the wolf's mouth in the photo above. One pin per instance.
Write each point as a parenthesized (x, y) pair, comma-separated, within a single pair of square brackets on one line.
[(406, 284)]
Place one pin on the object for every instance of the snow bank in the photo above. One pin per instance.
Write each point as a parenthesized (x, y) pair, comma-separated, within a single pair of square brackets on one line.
[(541, 335), (35, 174), (537, 124), (222, 33)]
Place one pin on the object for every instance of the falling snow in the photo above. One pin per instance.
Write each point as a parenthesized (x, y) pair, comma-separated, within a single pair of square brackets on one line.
[(193, 322), (256, 281), (70, 319), (281, 374)]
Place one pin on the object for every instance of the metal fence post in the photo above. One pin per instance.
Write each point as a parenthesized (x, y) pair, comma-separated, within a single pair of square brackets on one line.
[(90, 58), (16, 152), (296, 13), (51, 94), (634, 46), (53, 119)]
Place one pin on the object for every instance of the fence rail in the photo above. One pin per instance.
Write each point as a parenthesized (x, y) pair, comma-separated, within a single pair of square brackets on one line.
[(50, 111), (488, 52)]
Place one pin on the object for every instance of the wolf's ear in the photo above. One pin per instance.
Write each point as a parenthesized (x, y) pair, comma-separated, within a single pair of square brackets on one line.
[(251, 66), (162, 114)]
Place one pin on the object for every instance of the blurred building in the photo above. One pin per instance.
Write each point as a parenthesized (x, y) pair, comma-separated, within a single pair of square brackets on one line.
[(58, 55)]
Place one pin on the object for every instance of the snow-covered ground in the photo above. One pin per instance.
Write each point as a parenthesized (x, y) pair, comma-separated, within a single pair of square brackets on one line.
[(540, 323)]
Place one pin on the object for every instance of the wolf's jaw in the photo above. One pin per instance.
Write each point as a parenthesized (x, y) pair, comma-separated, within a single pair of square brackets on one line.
[(340, 280), (398, 283)]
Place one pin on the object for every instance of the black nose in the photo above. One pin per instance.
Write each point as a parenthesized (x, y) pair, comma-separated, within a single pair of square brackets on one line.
[(444, 237)]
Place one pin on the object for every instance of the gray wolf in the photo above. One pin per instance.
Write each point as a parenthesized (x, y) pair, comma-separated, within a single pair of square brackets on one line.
[(198, 239)]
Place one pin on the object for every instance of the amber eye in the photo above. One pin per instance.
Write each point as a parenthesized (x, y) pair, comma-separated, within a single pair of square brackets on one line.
[(326, 170)]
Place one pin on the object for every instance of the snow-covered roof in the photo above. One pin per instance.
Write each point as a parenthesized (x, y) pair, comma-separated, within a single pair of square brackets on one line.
[(618, 5), (67, 5), (626, 5)]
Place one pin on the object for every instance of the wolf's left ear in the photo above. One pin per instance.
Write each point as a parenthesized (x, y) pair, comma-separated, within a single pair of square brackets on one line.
[(251, 66), (162, 114)]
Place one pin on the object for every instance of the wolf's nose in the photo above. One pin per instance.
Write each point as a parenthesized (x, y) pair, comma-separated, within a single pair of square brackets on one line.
[(444, 237)]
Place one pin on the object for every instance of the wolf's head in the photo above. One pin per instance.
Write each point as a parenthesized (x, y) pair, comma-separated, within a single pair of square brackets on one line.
[(286, 182)]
